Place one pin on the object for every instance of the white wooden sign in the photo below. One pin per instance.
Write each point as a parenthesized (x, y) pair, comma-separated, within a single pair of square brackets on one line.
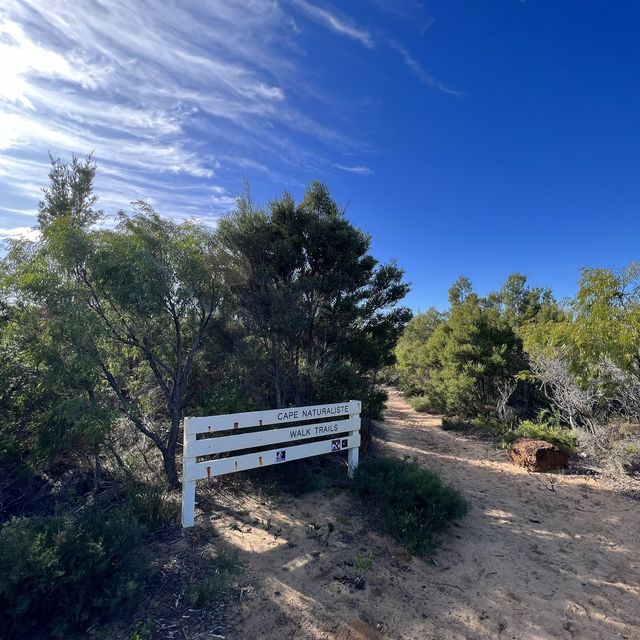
[(338, 426)]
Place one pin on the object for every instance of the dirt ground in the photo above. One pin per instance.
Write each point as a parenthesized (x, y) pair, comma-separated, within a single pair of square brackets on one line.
[(538, 556)]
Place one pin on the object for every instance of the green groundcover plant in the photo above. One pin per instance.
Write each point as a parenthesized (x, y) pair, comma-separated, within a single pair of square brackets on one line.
[(413, 503)]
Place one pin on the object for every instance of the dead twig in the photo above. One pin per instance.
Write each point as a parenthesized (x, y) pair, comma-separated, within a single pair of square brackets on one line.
[(549, 485)]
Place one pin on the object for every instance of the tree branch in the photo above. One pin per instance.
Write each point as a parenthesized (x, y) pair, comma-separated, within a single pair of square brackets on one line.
[(126, 407)]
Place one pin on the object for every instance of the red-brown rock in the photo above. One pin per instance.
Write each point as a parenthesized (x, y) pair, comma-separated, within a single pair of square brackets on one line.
[(537, 455)]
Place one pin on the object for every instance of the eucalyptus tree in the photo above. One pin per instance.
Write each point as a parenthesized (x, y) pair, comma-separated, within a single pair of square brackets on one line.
[(131, 303)]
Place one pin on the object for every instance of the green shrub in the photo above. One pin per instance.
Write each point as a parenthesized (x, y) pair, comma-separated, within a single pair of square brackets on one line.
[(561, 437), (374, 403), (151, 505), (422, 404), (630, 457), (64, 572), (215, 585), (364, 564), (483, 426), (413, 503)]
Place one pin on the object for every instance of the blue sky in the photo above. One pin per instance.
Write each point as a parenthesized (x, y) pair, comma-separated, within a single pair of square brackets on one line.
[(467, 137)]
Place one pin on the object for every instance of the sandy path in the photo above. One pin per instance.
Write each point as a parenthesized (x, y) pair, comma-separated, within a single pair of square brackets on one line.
[(526, 563)]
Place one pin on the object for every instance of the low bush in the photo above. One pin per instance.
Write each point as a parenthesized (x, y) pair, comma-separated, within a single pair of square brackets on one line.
[(374, 404), (479, 426), (422, 404), (615, 445), (413, 504), (215, 585), (630, 457), (64, 572), (364, 564), (562, 437), (151, 505)]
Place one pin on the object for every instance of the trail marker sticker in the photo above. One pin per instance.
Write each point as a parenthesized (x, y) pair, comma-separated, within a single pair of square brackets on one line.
[(217, 445)]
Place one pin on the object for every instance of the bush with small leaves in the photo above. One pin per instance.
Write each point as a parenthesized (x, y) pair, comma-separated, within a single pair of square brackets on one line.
[(64, 572), (413, 503), (562, 437), (215, 585)]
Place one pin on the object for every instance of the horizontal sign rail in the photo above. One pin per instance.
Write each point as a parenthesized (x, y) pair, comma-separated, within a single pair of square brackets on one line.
[(337, 424), (223, 444), (212, 424), (223, 466)]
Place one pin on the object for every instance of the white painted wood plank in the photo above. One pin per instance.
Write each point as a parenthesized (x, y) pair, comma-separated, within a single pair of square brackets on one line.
[(211, 424), (238, 441), (212, 468)]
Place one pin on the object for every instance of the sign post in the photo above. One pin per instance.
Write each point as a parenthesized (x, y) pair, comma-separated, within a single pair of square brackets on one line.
[(188, 486), (214, 445), (354, 453)]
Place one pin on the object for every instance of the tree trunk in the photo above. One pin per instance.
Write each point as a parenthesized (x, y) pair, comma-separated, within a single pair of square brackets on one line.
[(170, 469), (169, 455)]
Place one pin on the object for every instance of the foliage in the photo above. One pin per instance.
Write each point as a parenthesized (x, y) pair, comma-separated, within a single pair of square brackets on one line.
[(48, 401), (70, 193), (138, 323), (422, 404), (480, 426), (113, 329), (586, 361), (319, 313), (412, 353), (151, 504), (468, 355), (521, 304), (615, 445), (65, 572), (117, 316), (496, 362), (464, 362), (413, 504), (629, 456), (600, 325), (562, 437), (215, 585), (364, 564)]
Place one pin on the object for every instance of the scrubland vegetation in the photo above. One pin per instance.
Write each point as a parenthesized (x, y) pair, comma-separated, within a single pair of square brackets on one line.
[(112, 329), (518, 362), (410, 503)]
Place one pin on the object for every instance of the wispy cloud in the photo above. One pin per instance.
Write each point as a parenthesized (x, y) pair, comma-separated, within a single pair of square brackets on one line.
[(417, 69), (30, 213), (133, 82), (177, 100), (342, 27), (330, 19), (27, 233), (363, 171)]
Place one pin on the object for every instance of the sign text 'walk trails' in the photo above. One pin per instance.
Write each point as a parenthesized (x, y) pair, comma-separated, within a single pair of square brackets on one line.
[(201, 442)]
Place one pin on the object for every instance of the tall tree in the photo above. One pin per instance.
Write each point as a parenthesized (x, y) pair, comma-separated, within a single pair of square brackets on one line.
[(413, 355), (323, 311), (133, 303)]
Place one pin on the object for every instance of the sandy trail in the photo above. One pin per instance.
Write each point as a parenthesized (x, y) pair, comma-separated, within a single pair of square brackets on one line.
[(526, 563)]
